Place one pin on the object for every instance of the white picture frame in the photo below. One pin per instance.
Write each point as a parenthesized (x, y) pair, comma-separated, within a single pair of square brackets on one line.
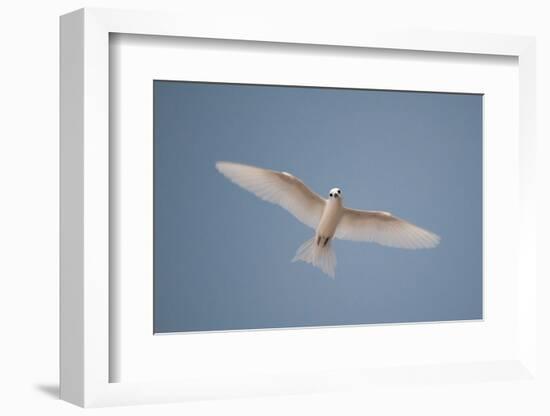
[(86, 290), (137, 61)]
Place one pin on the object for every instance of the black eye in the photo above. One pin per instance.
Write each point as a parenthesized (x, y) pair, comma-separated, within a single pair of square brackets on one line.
[(329, 194), (338, 191)]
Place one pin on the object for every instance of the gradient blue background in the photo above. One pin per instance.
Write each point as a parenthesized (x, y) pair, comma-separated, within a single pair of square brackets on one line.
[(223, 257)]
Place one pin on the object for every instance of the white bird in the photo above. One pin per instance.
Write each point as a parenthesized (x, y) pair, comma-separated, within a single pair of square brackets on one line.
[(328, 217)]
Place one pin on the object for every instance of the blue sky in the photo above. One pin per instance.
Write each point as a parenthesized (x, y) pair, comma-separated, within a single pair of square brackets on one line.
[(223, 257)]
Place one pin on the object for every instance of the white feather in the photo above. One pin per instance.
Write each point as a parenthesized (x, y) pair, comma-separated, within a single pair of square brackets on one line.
[(383, 228), (280, 188), (321, 256)]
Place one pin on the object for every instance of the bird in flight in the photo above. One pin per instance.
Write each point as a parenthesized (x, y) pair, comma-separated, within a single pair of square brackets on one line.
[(328, 217)]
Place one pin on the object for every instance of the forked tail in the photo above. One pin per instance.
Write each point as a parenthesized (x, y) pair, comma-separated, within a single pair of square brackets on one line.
[(321, 256)]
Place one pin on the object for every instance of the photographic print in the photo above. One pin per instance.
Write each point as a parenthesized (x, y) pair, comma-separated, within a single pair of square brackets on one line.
[(289, 206)]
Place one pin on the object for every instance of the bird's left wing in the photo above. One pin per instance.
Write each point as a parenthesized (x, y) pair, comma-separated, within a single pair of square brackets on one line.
[(383, 228), (280, 188)]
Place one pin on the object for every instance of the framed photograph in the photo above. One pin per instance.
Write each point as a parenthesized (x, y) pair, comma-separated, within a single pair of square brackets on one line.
[(265, 211)]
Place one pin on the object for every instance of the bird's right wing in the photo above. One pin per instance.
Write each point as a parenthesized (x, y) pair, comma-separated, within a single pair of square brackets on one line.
[(383, 228), (279, 188)]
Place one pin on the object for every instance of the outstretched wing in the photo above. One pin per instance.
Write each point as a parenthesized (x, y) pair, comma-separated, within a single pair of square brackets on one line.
[(383, 228), (280, 188)]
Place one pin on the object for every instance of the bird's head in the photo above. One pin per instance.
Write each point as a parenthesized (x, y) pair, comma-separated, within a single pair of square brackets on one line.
[(335, 193)]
